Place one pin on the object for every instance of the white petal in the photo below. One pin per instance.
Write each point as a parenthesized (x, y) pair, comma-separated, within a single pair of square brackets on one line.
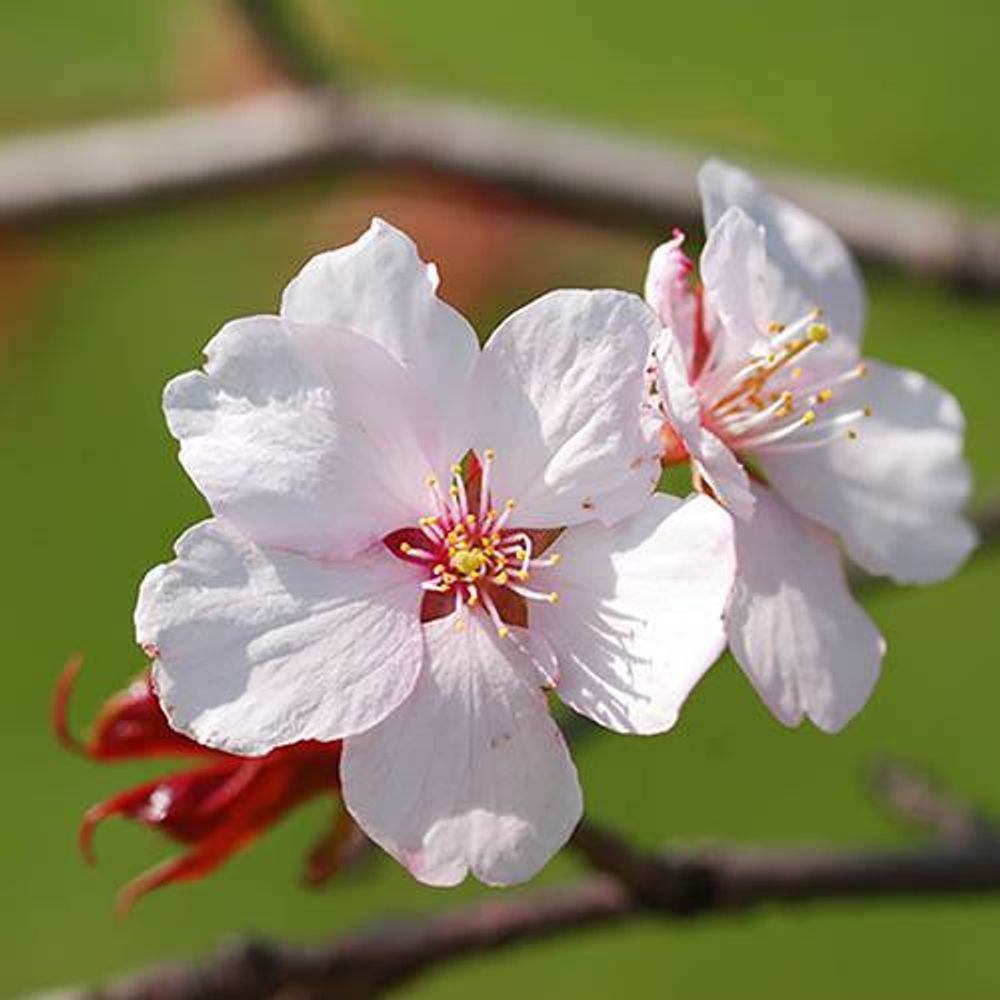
[(639, 618), (807, 646), (895, 494), (808, 265), (558, 394), (258, 648), (470, 773), (311, 440), (713, 461), (378, 287), (671, 295), (734, 271)]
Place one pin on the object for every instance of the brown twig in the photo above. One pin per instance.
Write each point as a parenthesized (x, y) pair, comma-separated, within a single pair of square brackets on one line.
[(628, 180), (630, 885)]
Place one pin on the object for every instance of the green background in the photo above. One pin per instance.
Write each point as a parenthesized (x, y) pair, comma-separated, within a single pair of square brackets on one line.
[(97, 314)]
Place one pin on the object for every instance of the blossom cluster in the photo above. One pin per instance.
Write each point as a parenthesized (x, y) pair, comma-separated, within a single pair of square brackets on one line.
[(417, 544)]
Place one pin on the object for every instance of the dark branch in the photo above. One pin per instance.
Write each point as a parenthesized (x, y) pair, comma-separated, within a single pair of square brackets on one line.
[(628, 181), (632, 885), (283, 42)]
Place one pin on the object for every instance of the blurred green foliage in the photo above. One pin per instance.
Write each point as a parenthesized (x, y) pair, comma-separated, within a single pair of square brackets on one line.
[(98, 314)]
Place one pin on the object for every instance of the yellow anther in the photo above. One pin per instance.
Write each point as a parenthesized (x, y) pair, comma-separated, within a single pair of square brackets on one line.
[(432, 481), (809, 416), (438, 569), (817, 312), (489, 454), (470, 519), (519, 553), (796, 345), (510, 504), (775, 327), (553, 597), (448, 579), (867, 411), (818, 333), (468, 562), (796, 373), (495, 538), (492, 514), (502, 578), (473, 598), (852, 434), (862, 369), (459, 624), (405, 547), (521, 574), (503, 631), (555, 558), (453, 490), (824, 395), (456, 470)]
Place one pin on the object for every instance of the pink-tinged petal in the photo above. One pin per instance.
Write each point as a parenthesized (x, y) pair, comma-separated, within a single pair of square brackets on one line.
[(309, 440), (378, 287), (258, 648), (808, 264), (712, 460), (470, 774), (733, 270), (896, 493), (639, 616), (807, 646), (559, 394), (671, 293)]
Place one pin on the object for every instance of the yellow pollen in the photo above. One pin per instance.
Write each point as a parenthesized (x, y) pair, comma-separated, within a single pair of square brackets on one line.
[(775, 327), (456, 470), (809, 416), (867, 411), (470, 519), (555, 558), (796, 373), (503, 631), (405, 547), (439, 569), (448, 579), (818, 333), (519, 553), (489, 454), (432, 481), (824, 395), (852, 434), (553, 597), (459, 624), (468, 562), (521, 574), (492, 514), (501, 578), (473, 598), (510, 504), (862, 369)]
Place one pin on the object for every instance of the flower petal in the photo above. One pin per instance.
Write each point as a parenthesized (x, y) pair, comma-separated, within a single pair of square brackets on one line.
[(734, 270), (808, 264), (257, 648), (639, 618), (378, 287), (558, 393), (896, 493), (315, 441), (470, 773), (807, 646), (671, 295), (713, 461)]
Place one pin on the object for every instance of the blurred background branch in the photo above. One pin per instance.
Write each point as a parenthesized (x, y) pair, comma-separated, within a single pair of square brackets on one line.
[(628, 885), (613, 178)]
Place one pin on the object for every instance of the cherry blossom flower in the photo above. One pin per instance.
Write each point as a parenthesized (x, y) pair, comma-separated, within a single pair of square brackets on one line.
[(413, 539), (805, 442), (216, 807)]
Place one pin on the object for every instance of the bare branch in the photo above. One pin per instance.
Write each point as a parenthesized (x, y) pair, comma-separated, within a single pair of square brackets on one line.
[(911, 795), (629, 181), (283, 43), (632, 886)]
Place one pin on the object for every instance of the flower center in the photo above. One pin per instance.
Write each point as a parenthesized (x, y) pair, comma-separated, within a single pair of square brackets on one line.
[(472, 556), (774, 396)]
